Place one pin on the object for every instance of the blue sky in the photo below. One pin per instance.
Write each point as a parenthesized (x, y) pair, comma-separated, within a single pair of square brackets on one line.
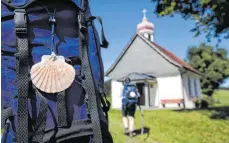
[(120, 18)]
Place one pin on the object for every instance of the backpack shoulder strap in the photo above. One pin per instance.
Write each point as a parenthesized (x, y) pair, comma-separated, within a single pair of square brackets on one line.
[(40, 125), (61, 109), (88, 83), (22, 72), (128, 88), (125, 90)]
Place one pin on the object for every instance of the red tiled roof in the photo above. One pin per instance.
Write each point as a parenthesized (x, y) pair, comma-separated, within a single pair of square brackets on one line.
[(175, 58)]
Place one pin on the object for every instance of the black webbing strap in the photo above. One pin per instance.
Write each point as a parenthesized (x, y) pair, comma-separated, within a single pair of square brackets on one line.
[(88, 83), (5, 114), (22, 71), (104, 42), (106, 107), (61, 108), (105, 103), (39, 128)]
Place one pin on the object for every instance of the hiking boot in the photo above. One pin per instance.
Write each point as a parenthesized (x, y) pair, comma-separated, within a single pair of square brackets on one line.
[(131, 134), (126, 130)]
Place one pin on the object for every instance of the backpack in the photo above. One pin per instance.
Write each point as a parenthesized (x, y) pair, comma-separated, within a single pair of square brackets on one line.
[(130, 94), (31, 29)]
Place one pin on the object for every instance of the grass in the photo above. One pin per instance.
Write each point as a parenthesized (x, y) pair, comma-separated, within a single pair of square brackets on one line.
[(167, 126), (222, 96)]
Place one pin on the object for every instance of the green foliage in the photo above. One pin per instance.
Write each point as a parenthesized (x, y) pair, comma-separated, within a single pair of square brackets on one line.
[(205, 102), (220, 115), (211, 16), (209, 99), (212, 63)]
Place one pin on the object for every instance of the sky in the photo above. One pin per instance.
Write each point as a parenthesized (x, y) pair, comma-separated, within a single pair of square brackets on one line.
[(120, 18)]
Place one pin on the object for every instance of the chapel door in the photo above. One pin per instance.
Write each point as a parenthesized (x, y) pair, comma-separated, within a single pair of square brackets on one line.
[(140, 87)]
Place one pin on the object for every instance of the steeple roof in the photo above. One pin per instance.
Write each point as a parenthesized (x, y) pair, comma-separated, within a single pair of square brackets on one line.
[(145, 26)]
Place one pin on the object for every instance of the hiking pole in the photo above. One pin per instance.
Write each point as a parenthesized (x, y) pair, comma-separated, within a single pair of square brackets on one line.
[(142, 119)]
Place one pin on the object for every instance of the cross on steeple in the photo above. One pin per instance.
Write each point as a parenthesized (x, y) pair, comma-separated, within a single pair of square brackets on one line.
[(144, 14)]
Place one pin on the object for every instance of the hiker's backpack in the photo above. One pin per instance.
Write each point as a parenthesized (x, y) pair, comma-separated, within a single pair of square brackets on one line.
[(30, 28), (130, 94)]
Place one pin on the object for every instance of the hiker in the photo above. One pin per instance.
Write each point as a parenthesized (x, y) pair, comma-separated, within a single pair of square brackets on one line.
[(130, 97)]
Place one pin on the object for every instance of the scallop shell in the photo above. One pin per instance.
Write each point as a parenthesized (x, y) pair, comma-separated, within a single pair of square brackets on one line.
[(52, 74)]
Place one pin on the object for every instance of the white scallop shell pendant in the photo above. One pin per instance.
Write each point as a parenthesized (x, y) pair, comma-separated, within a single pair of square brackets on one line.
[(52, 74)]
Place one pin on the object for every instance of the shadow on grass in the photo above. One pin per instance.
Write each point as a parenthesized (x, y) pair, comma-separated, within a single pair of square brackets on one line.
[(220, 113), (138, 132)]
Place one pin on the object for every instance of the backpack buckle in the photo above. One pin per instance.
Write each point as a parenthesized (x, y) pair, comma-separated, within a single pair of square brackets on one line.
[(20, 21), (86, 100), (82, 22)]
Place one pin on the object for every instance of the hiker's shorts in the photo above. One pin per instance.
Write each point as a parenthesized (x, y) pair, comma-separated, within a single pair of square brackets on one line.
[(129, 109)]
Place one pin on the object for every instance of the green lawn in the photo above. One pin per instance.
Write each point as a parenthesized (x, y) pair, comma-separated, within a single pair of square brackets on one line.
[(167, 126), (222, 96)]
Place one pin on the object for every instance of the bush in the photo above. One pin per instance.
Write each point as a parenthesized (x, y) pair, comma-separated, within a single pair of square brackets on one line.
[(220, 115), (201, 103), (210, 100), (204, 104), (197, 103)]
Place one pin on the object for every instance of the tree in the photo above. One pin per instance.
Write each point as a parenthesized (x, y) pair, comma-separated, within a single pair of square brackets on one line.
[(212, 63), (211, 16)]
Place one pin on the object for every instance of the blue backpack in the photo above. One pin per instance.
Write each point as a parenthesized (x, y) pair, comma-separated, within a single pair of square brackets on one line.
[(30, 28), (130, 94)]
